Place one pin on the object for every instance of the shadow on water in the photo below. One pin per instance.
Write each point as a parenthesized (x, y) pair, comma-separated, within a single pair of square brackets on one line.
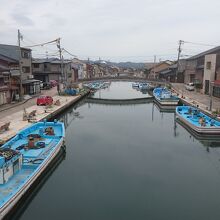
[(23, 204)]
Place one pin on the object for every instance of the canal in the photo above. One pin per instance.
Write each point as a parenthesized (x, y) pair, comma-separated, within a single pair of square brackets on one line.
[(126, 162)]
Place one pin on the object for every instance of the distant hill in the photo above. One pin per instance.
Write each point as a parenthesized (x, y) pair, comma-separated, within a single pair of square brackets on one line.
[(127, 65)]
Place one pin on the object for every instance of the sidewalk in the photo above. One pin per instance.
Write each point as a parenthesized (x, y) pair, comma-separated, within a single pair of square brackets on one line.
[(196, 98), (9, 109), (17, 122)]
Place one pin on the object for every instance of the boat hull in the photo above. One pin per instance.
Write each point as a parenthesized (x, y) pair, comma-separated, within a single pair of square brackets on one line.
[(167, 102)]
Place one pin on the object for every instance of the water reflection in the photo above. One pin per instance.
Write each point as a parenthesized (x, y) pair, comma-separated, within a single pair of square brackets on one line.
[(71, 114)]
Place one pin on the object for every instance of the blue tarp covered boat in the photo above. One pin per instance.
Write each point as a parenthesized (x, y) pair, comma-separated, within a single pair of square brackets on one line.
[(197, 120), (165, 97), (24, 158)]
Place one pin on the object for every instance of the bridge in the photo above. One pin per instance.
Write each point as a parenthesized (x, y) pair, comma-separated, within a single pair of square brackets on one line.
[(126, 79)]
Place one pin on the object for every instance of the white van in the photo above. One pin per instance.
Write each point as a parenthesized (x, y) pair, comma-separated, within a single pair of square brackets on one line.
[(190, 86)]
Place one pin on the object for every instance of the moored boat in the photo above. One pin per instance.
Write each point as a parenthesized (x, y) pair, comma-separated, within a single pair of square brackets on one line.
[(24, 158), (135, 85), (197, 120), (144, 86), (165, 97)]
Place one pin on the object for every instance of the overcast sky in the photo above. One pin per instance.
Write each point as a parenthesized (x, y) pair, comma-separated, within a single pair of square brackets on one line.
[(116, 30)]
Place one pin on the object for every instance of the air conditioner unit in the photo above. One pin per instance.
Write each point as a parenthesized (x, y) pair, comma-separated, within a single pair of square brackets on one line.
[(30, 76)]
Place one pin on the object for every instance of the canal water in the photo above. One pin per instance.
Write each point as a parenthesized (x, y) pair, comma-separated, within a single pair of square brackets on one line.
[(120, 90), (128, 162)]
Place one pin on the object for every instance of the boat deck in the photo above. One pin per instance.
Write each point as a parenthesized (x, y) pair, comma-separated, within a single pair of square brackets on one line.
[(12, 187), (194, 118), (34, 159)]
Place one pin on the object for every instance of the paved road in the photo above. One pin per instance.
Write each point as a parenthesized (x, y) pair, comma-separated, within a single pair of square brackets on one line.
[(29, 103), (197, 96)]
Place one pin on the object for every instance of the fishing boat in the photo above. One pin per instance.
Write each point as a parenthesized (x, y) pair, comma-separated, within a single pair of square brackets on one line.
[(144, 86), (135, 85), (197, 120), (164, 96), (24, 158)]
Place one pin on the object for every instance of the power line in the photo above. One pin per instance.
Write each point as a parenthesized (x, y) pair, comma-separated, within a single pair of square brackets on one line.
[(42, 44), (201, 44), (68, 52)]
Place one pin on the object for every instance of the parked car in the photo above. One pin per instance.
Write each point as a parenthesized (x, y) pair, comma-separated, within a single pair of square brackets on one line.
[(53, 83), (190, 86), (44, 100)]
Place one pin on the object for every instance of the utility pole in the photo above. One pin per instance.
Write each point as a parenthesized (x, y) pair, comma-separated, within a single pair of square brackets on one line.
[(210, 95), (61, 65), (19, 63), (155, 57), (178, 58)]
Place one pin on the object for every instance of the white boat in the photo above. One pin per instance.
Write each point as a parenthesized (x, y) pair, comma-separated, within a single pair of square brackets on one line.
[(135, 85)]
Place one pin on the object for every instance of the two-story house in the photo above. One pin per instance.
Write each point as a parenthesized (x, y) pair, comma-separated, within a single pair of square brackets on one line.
[(194, 69), (157, 68), (211, 79), (18, 61), (50, 69)]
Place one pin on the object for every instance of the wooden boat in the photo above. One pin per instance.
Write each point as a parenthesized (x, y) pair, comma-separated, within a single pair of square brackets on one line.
[(197, 120), (165, 97), (24, 158)]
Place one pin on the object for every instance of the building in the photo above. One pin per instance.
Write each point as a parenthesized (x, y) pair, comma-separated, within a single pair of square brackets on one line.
[(157, 68), (171, 74), (194, 69), (50, 69), (81, 68), (211, 79), (21, 78), (5, 94)]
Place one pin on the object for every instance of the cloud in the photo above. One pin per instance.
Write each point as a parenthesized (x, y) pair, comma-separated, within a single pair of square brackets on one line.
[(23, 20), (113, 28)]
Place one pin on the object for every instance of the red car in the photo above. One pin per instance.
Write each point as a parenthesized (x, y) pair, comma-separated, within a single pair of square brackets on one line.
[(44, 100)]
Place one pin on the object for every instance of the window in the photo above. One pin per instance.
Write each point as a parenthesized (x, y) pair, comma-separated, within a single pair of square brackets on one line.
[(26, 69), (36, 65), (208, 65), (25, 54)]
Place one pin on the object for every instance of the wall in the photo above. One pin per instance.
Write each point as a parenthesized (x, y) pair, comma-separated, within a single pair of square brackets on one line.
[(26, 62), (209, 69), (190, 70)]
